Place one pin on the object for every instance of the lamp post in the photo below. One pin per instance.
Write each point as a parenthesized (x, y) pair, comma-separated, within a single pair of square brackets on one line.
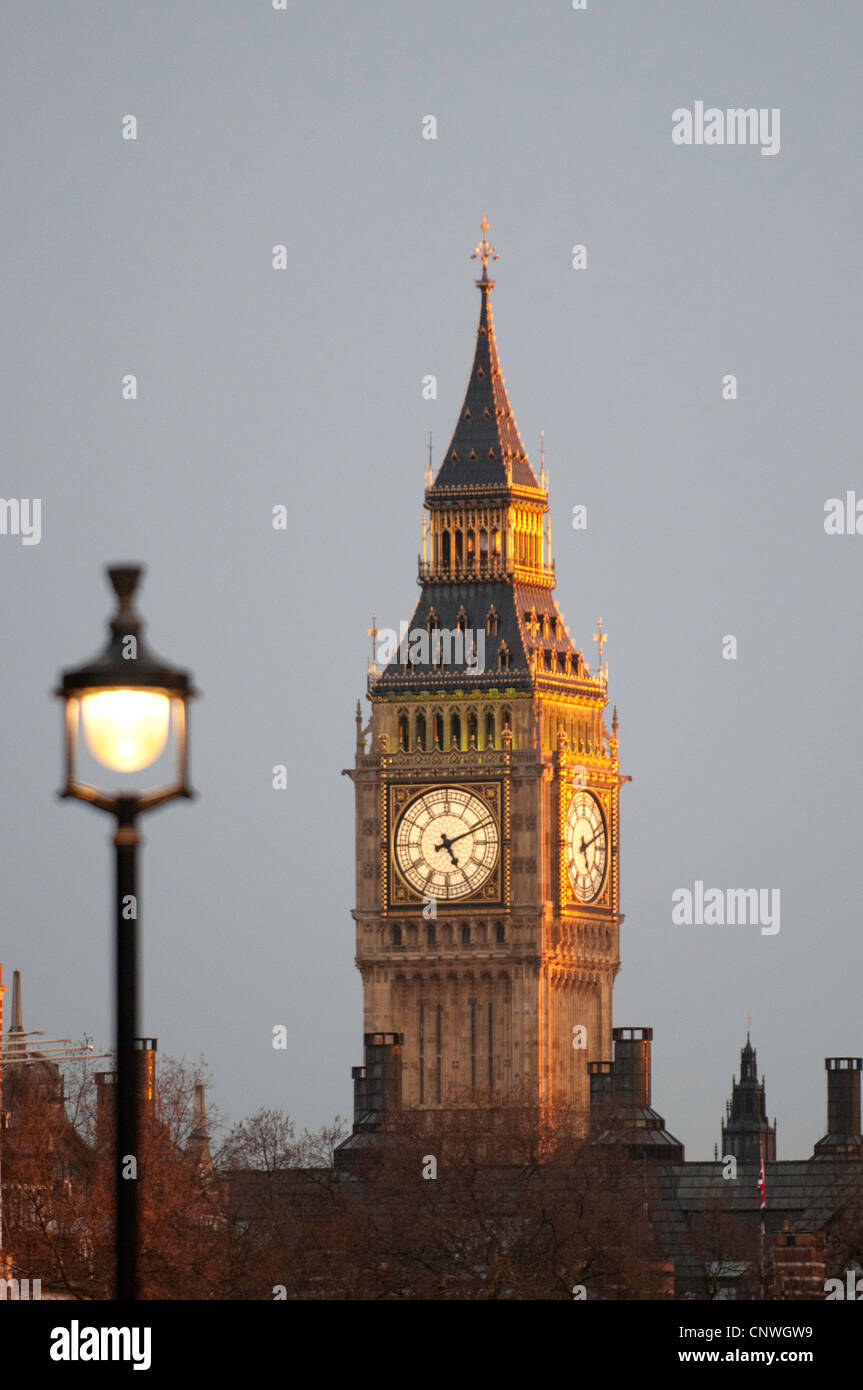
[(126, 709)]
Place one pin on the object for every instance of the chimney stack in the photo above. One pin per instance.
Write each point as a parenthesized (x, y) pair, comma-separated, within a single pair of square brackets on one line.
[(632, 1065), (601, 1085), (106, 1090), (106, 1106), (378, 1085), (620, 1110), (843, 1135), (377, 1091), (145, 1072)]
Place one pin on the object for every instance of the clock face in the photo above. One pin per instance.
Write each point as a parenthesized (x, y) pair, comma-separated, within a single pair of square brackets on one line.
[(447, 843), (585, 845)]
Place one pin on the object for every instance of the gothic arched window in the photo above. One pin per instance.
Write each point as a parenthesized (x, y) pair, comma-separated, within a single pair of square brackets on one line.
[(421, 732), (465, 934), (503, 657), (492, 622), (404, 731), (472, 729), (455, 730), (489, 729), (437, 729)]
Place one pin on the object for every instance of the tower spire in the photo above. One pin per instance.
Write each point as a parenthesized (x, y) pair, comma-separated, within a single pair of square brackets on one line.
[(17, 1024), (198, 1146), (486, 449)]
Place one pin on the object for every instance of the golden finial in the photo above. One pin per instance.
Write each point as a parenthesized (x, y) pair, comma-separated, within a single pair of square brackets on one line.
[(373, 632), (600, 638), (484, 249)]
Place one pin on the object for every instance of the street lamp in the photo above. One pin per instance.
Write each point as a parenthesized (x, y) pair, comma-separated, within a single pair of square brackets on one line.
[(126, 712)]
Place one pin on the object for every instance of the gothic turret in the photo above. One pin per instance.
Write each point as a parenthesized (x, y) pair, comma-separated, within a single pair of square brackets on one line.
[(746, 1133)]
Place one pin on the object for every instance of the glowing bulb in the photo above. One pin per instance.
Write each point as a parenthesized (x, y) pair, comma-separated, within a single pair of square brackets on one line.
[(126, 730)]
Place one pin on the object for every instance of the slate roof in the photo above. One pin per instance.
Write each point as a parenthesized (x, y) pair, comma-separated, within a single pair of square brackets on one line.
[(641, 1128), (513, 605), (807, 1193), (486, 433)]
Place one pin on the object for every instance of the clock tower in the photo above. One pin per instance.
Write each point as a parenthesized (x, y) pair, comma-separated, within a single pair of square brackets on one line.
[(487, 913)]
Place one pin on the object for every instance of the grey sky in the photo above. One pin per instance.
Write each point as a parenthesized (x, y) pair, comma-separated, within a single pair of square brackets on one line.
[(304, 387)]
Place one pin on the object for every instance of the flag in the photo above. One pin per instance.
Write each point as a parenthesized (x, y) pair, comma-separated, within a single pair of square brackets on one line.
[(762, 1185)]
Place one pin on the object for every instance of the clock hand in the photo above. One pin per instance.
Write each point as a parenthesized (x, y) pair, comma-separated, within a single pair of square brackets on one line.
[(447, 845), (471, 832), (585, 844)]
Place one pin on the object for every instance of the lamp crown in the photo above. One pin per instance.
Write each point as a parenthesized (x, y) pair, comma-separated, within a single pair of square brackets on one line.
[(120, 665), (124, 581)]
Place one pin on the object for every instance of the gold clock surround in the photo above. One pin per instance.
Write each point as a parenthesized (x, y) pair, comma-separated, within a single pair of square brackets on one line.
[(574, 804), (484, 795)]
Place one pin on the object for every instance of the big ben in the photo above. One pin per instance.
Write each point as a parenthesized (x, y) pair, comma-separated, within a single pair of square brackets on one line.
[(487, 783)]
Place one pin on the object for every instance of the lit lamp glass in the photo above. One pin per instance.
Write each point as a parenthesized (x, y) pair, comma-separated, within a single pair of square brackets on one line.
[(126, 730), (127, 708)]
